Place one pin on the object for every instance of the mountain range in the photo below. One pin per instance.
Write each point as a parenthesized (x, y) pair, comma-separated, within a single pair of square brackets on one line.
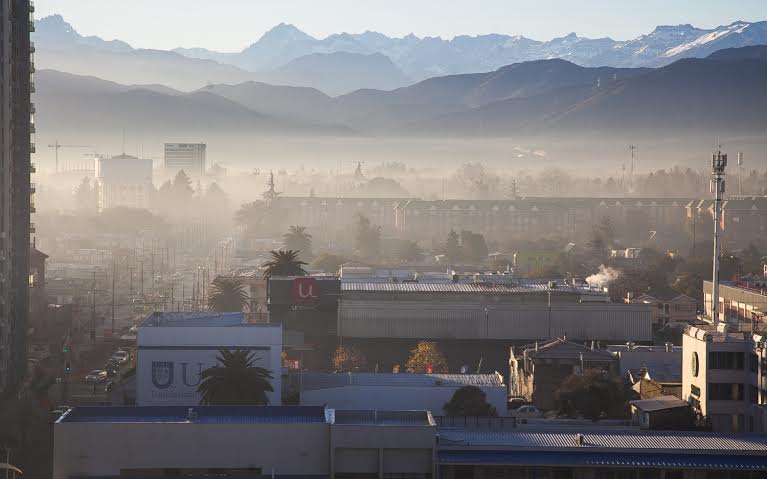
[(720, 94), (342, 63), (422, 58)]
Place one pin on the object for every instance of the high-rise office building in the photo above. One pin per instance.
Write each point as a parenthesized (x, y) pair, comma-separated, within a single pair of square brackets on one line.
[(189, 157), (16, 85)]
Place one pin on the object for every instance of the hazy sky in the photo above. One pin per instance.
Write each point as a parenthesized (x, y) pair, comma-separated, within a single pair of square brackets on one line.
[(230, 25)]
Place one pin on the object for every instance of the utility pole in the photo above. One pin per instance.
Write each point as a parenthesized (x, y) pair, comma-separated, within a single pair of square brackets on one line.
[(93, 309), (130, 270), (114, 273), (141, 280), (631, 171), (718, 164)]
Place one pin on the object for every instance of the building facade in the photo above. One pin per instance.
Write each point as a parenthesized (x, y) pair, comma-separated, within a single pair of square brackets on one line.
[(190, 157), (740, 302), (16, 86), (313, 442), (724, 378), (123, 181), (175, 348)]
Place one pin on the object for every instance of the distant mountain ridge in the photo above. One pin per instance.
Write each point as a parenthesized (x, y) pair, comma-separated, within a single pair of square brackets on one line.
[(288, 56), (723, 93), (422, 58), (60, 47)]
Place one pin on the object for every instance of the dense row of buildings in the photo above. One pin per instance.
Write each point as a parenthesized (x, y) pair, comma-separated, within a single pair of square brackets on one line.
[(524, 217)]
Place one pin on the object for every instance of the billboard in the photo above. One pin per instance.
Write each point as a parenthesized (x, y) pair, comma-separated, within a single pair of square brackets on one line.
[(304, 293)]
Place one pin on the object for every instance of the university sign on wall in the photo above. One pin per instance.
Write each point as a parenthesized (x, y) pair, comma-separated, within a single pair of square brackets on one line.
[(170, 375)]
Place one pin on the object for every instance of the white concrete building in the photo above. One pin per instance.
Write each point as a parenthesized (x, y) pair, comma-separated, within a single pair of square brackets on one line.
[(123, 181), (174, 349), (724, 377), (190, 157), (245, 441), (397, 391)]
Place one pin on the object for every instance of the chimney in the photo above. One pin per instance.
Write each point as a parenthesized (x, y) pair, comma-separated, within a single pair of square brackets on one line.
[(536, 345), (669, 347)]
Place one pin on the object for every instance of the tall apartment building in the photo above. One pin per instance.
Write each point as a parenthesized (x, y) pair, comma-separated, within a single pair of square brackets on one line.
[(16, 85), (189, 157), (123, 181)]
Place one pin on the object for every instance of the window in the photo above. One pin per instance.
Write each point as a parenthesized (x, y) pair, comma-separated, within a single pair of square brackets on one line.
[(694, 390), (753, 363), (753, 394), (725, 360), (725, 391)]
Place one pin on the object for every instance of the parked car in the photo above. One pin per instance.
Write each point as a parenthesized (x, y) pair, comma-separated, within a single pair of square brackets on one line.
[(527, 412), (121, 356), (96, 376)]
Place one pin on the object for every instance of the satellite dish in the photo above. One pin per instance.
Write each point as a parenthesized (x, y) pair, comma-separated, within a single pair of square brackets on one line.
[(464, 369)]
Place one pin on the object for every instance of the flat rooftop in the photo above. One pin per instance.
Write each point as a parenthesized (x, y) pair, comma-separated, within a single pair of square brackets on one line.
[(198, 319), (199, 414), (638, 441), (516, 287), (320, 380)]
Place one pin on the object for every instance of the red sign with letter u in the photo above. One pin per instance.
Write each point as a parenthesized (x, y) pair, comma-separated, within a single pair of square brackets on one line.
[(305, 291)]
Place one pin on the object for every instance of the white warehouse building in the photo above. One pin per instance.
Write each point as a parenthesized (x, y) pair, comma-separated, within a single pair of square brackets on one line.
[(175, 348), (384, 391)]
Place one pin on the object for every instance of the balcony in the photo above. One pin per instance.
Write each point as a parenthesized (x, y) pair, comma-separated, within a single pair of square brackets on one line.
[(32, 168), (32, 207), (31, 47), (32, 148), (31, 26), (32, 188), (31, 7), (31, 67), (32, 127), (32, 88), (32, 229)]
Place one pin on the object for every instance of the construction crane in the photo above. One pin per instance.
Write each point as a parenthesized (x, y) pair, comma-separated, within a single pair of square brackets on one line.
[(56, 145)]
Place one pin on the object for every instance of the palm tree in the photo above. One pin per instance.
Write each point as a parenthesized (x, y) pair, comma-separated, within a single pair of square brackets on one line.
[(235, 381), (227, 295), (284, 263), (298, 239)]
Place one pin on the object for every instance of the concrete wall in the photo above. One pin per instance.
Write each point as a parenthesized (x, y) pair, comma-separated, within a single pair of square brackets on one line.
[(438, 320), (171, 359), (715, 410), (376, 449), (431, 398), (104, 449)]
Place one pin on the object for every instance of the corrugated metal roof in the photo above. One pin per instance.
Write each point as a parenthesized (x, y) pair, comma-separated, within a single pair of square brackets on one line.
[(382, 418), (659, 403), (634, 440), (738, 462), (493, 288), (316, 380), (200, 414)]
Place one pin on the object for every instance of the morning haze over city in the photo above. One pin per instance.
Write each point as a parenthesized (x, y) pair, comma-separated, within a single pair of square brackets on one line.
[(383, 239)]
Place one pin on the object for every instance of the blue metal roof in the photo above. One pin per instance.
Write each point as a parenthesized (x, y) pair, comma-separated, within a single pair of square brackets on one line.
[(606, 459), (200, 415)]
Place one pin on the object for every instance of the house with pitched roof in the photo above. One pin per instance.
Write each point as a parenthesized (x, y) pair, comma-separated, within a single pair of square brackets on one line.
[(537, 370)]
